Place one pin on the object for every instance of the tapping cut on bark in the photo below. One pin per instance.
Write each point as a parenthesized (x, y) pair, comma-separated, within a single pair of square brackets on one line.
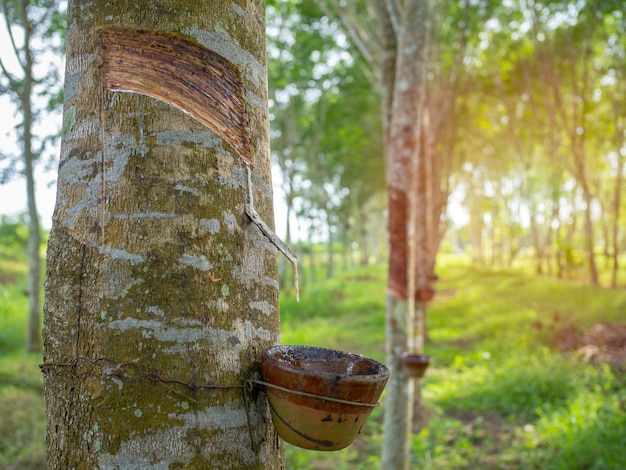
[(180, 72)]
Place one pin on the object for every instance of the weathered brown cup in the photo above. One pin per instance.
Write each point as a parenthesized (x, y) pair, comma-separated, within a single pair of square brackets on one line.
[(415, 365), (309, 378)]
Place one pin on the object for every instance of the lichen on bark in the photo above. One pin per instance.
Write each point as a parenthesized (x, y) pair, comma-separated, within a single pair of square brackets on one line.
[(149, 215)]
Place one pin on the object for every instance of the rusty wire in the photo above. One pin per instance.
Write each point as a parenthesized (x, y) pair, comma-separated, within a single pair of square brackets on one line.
[(117, 371)]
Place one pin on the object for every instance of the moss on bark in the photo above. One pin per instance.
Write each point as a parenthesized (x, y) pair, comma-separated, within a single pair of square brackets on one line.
[(158, 286)]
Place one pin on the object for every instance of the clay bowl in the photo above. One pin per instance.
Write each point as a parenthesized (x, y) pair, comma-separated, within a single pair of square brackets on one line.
[(302, 383), (415, 365), (426, 294)]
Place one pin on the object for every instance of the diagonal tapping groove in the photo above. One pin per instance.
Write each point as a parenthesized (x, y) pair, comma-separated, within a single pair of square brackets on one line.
[(180, 72)]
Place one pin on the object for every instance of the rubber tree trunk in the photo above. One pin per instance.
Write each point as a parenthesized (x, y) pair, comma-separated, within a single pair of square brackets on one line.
[(582, 178), (330, 251), (362, 232), (33, 337), (594, 278), (401, 150), (22, 88), (617, 202), (161, 295)]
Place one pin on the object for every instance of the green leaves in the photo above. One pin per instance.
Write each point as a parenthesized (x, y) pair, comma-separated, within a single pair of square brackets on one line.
[(30, 76), (325, 128)]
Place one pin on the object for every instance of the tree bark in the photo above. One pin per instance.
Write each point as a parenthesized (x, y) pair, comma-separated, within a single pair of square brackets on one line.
[(282, 267), (33, 337), (589, 236), (330, 250), (401, 150), (21, 88), (362, 232), (388, 69), (617, 193), (161, 294)]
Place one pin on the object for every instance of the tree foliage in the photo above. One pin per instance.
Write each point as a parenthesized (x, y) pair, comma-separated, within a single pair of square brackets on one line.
[(326, 136), (36, 33)]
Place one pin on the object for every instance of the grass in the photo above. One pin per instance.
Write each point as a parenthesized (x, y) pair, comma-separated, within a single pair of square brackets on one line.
[(497, 396), (22, 412)]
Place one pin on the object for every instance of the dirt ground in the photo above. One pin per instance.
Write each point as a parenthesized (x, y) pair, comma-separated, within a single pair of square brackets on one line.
[(603, 343)]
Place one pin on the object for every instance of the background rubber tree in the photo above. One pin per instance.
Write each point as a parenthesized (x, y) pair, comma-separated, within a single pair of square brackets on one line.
[(35, 28), (405, 33), (161, 294)]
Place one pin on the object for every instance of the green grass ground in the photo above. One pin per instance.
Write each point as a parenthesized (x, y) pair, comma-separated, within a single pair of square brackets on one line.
[(22, 412), (498, 395)]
